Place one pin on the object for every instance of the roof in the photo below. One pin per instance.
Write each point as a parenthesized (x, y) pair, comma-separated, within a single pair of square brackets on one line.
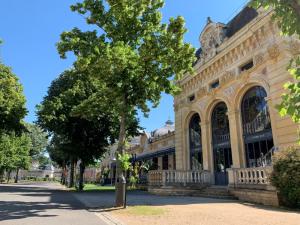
[(240, 20)]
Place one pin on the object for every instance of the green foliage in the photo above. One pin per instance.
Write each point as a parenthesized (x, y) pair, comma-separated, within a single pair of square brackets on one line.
[(124, 160), (287, 14), (78, 137), (12, 102), (286, 176), (39, 140), (14, 152)]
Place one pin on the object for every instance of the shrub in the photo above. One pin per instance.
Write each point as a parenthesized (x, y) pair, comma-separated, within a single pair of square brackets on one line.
[(286, 176)]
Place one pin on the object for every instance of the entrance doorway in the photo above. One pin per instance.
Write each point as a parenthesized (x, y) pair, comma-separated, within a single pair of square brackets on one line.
[(221, 143)]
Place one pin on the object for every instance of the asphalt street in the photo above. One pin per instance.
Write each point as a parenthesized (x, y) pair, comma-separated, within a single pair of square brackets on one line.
[(43, 203)]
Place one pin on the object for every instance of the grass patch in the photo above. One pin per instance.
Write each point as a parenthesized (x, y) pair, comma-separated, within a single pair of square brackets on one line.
[(145, 210), (95, 187)]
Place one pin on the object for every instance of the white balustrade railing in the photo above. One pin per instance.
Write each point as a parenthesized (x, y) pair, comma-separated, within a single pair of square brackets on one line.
[(255, 177), (172, 177)]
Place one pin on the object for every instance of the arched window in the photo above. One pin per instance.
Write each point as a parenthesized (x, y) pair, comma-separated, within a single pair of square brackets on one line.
[(257, 130), (220, 124), (221, 143), (196, 160)]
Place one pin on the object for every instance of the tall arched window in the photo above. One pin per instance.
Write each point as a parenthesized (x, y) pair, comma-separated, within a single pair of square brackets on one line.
[(196, 160), (257, 130), (221, 143)]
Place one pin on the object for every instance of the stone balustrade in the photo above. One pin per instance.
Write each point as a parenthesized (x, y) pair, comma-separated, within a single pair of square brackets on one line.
[(255, 178), (178, 177)]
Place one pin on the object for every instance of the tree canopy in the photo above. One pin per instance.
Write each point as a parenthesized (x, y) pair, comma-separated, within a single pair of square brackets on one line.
[(14, 152), (39, 140), (12, 102), (77, 137), (131, 53)]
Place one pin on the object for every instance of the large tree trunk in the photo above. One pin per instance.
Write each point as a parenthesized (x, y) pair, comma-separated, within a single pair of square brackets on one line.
[(71, 183), (17, 175), (63, 174), (81, 172), (120, 183), (8, 176), (1, 175)]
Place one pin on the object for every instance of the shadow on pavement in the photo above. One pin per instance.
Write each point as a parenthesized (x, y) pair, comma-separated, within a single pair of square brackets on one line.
[(24, 202)]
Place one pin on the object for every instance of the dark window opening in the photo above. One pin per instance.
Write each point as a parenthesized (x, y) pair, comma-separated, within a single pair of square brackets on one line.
[(154, 165), (215, 84), (247, 66), (195, 143), (257, 130), (192, 98), (165, 162)]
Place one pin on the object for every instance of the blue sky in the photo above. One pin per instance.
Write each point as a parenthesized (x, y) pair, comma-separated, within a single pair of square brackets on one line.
[(31, 28)]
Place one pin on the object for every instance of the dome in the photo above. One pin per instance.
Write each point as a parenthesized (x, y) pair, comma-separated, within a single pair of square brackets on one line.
[(169, 127)]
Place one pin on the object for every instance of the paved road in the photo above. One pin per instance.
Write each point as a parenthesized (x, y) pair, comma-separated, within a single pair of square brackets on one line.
[(43, 203)]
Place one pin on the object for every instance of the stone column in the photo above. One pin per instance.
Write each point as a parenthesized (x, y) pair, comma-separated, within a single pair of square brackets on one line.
[(206, 146), (179, 146), (236, 139), (273, 113), (159, 159), (170, 162)]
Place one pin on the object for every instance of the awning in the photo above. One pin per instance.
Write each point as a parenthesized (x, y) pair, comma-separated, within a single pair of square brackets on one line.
[(150, 155)]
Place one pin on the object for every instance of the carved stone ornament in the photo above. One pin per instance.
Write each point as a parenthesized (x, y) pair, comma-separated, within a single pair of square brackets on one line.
[(295, 47), (202, 105), (202, 92), (258, 59), (273, 51), (211, 37), (229, 91), (227, 77)]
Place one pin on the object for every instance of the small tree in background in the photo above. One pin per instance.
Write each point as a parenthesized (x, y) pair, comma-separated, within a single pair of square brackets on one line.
[(14, 153)]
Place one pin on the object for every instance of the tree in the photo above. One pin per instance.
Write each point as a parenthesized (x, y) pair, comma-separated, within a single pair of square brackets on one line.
[(22, 153), (132, 54), (12, 102), (287, 14), (39, 140), (14, 153), (83, 139), (58, 150)]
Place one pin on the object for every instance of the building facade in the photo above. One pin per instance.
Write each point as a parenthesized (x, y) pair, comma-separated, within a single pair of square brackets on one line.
[(225, 116), (157, 149)]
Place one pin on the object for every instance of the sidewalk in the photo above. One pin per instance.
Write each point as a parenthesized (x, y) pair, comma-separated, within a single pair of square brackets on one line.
[(178, 210)]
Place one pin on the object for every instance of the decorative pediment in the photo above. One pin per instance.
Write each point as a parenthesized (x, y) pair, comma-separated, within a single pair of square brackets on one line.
[(211, 37)]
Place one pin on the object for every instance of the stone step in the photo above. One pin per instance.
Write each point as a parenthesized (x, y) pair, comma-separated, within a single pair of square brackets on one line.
[(209, 192)]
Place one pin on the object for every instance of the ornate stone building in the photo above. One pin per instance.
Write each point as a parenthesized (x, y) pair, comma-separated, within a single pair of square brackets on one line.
[(225, 116)]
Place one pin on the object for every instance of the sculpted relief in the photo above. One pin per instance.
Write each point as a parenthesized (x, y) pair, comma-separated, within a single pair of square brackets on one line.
[(211, 37)]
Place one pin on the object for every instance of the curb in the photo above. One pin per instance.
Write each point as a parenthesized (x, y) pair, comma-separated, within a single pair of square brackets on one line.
[(108, 219)]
